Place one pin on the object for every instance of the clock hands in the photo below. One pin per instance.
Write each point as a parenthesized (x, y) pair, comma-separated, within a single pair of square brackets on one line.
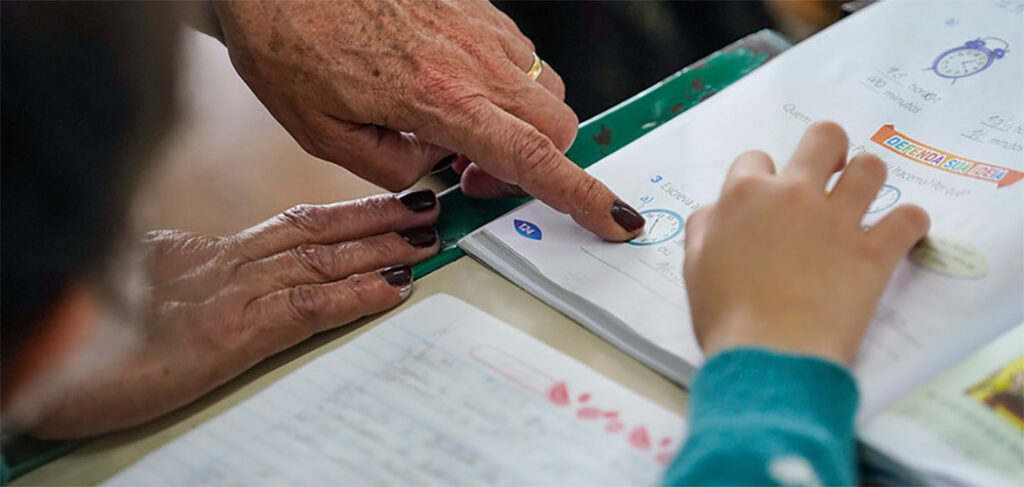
[(656, 222)]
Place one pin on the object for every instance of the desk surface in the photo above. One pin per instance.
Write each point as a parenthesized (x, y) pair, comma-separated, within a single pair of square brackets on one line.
[(465, 279)]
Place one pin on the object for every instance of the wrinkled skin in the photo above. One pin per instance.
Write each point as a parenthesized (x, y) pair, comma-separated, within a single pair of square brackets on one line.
[(219, 305), (387, 89)]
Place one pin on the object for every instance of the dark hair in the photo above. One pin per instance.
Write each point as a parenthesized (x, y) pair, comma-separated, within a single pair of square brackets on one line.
[(87, 91)]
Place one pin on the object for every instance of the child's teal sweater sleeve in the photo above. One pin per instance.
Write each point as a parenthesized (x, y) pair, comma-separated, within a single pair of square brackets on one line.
[(764, 418)]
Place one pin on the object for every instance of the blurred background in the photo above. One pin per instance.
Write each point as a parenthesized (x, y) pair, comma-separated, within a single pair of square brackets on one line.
[(228, 165)]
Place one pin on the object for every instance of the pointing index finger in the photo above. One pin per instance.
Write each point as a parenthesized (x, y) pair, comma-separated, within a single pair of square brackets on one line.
[(516, 152)]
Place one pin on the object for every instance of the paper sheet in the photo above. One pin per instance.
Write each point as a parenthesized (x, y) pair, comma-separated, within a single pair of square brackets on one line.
[(441, 394), (965, 427), (936, 89)]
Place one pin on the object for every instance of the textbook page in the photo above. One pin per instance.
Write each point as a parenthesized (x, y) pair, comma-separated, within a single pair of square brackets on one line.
[(440, 394), (965, 427), (936, 89)]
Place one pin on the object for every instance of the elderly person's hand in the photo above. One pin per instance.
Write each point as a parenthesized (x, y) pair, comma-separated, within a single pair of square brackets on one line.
[(388, 88), (220, 305)]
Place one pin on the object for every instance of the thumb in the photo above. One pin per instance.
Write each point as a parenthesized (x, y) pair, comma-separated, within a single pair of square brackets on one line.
[(476, 183), (388, 158)]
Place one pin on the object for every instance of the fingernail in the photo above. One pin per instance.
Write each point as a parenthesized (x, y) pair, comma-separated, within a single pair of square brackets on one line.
[(420, 237), (444, 164), (398, 276), (419, 200), (626, 216)]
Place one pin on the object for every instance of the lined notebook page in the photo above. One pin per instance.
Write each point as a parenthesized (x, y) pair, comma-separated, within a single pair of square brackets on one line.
[(440, 394)]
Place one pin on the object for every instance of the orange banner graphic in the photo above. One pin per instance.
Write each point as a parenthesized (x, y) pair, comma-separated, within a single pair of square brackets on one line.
[(888, 137)]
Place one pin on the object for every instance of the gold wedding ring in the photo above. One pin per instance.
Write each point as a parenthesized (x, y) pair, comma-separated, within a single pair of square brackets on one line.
[(535, 68)]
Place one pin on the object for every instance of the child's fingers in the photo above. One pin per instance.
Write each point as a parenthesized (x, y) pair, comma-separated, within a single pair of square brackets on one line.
[(750, 163), (858, 186), (821, 152), (696, 226), (897, 233)]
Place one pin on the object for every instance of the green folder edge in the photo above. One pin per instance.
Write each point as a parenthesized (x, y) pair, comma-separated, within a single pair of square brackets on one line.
[(598, 137), (611, 130)]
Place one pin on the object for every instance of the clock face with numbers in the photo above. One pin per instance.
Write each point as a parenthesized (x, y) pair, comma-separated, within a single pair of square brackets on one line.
[(662, 226), (962, 62)]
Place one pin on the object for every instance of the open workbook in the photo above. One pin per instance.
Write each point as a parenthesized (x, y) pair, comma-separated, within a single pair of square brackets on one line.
[(936, 89)]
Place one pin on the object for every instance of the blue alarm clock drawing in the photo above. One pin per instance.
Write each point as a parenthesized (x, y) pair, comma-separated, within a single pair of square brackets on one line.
[(969, 59)]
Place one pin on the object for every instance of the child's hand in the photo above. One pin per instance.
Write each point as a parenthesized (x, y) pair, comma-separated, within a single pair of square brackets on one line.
[(778, 263)]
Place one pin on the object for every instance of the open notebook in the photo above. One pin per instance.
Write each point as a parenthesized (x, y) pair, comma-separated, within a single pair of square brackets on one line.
[(936, 89), (439, 394)]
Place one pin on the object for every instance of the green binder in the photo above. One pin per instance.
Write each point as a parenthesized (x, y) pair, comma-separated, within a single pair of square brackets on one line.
[(598, 137)]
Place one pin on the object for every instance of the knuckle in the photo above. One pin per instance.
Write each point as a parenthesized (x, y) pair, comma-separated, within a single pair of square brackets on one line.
[(746, 181), (430, 81), (516, 33), (467, 105), (755, 154), (307, 302), (381, 210), (155, 237), (318, 259), (536, 154), (311, 219), (742, 184), (391, 245), (437, 82), (586, 190), (370, 252), (365, 297), (567, 127), (361, 292), (230, 257)]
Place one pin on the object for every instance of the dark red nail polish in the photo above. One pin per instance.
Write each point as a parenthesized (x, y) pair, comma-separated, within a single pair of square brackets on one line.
[(397, 276), (419, 200), (420, 237), (626, 216)]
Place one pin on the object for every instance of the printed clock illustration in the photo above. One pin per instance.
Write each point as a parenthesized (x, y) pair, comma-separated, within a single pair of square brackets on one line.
[(969, 59), (662, 226)]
